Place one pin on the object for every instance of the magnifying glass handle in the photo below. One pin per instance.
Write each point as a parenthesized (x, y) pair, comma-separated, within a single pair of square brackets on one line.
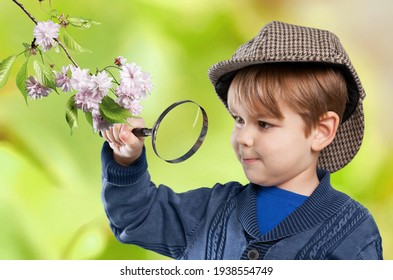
[(142, 132)]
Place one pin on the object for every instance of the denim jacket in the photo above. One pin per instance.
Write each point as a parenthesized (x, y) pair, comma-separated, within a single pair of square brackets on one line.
[(221, 222)]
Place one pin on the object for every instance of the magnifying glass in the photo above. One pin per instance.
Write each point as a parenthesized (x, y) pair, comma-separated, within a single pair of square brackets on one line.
[(178, 132)]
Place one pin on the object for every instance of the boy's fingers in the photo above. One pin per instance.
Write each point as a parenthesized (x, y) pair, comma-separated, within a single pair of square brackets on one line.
[(125, 136), (125, 145), (105, 135), (108, 135), (121, 134), (136, 122), (116, 129)]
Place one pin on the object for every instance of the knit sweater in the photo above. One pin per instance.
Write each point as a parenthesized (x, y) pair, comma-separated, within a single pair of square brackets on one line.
[(221, 222)]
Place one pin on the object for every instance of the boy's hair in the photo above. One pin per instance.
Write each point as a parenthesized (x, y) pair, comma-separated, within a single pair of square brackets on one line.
[(309, 89)]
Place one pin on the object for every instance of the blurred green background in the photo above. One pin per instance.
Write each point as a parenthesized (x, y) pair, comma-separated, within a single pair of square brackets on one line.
[(50, 181)]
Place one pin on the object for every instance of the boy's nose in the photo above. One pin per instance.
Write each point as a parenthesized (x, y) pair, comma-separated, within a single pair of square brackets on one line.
[(245, 137)]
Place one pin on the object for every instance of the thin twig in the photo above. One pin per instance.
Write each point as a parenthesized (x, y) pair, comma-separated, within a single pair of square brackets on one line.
[(26, 12), (67, 53), (110, 73), (57, 40)]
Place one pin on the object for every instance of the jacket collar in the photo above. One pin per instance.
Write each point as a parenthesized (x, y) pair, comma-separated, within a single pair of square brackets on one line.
[(323, 203)]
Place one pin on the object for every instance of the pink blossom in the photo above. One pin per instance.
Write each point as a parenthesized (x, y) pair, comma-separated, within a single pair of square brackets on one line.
[(131, 92), (35, 90), (100, 84), (145, 84), (99, 123), (80, 78), (91, 89), (86, 100), (130, 74), (45, 34), (130, 104), (133, 88), (63, 80), (134, 82)]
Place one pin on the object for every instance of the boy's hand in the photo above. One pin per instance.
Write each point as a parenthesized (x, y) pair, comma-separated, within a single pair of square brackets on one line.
[(126, 147)]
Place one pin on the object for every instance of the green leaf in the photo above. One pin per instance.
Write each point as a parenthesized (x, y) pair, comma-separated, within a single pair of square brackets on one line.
[(54, 13), (45, 75), (5, 68), (82, 23), (73, 45), (113, 112), (71, 113), (21, 78), (56, 48), (27, 49), (89, 118)]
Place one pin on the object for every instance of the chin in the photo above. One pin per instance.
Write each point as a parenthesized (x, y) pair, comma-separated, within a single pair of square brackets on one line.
[(258, 177), (265, 183)]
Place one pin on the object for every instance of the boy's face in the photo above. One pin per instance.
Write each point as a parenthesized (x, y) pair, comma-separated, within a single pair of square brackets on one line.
[(273, 151)]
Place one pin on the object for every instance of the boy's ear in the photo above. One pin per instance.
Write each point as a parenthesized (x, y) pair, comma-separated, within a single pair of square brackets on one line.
[(325, 131)]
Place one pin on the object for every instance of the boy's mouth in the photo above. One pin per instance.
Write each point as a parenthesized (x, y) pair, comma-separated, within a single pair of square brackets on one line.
[(249, 160)]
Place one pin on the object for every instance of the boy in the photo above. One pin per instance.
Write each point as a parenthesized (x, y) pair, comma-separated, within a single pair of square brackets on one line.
[(297, 105)]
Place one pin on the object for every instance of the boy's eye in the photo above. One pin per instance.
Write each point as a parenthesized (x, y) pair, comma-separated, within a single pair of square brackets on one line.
[(264, 125), (238, 119)]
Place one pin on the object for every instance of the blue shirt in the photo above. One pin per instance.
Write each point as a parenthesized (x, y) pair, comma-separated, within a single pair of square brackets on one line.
[(274, 205)]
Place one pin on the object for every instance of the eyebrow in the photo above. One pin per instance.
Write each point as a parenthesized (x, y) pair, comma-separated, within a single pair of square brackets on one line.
[(265, 114), (258, 115)]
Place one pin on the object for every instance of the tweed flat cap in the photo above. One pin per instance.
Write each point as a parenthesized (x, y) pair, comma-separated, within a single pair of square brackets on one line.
[(281, 42)]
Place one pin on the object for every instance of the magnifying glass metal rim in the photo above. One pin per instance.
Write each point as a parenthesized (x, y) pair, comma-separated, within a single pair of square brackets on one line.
[(143, 132)]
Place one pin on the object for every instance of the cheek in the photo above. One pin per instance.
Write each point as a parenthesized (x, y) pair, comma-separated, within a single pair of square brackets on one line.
[(234, 143), (296, 144), (280, 144), (233, 140)]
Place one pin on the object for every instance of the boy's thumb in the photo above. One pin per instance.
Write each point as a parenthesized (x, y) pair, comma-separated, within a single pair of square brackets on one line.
[(125, 136)]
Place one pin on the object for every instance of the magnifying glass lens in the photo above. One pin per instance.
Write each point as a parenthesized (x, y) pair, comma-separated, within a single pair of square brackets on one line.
[(179, 130)]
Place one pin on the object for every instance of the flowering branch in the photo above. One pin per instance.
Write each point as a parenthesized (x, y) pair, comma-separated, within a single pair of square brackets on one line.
[(91, 93), (57, 40)]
